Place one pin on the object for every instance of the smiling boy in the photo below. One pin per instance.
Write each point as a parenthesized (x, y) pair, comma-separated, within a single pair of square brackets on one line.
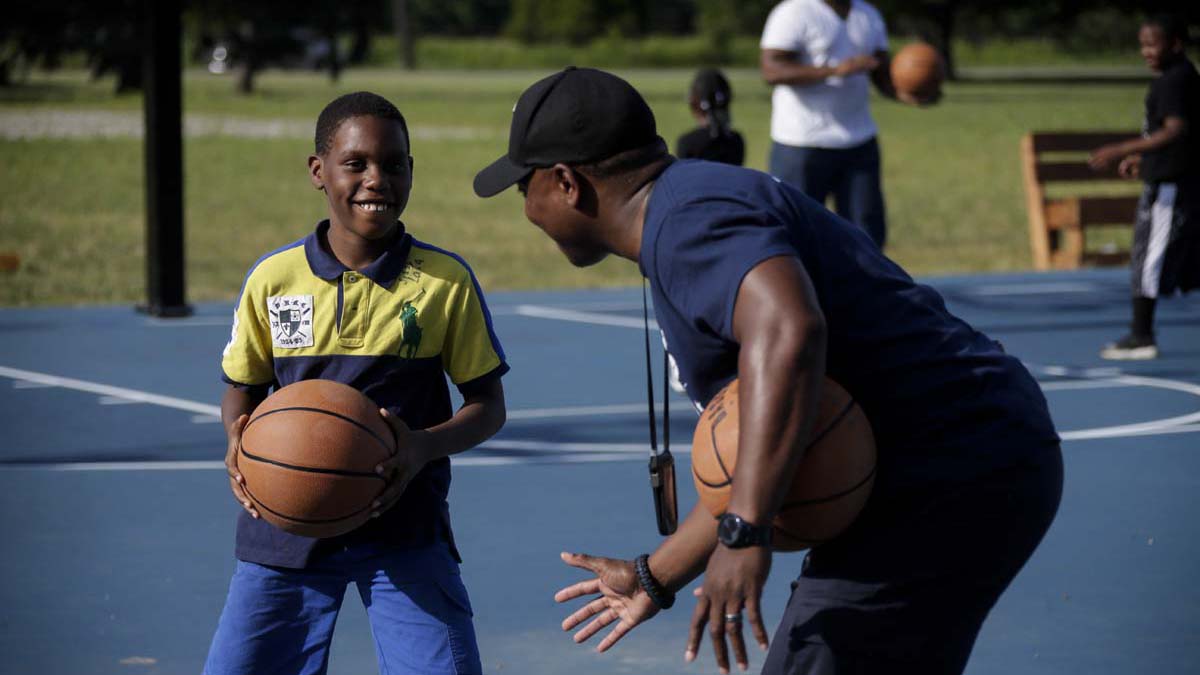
[(1166, 235), (393, 317)]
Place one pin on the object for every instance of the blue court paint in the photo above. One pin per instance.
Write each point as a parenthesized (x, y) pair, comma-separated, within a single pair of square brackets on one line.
[(132, 565)]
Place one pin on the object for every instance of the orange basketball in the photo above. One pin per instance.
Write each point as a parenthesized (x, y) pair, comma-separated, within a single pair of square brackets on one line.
[(308, 456), (831, 485), (918, 69)]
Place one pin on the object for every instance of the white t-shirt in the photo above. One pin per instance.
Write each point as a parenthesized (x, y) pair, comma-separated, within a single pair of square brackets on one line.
[(833, 113)]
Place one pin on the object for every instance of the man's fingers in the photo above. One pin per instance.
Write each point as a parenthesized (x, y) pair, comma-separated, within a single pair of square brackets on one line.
[(589, 587), (716, 633), (699, 618), (602, 619), (615, 634), (733, 630), (583, 613), (754, 616), (583, 561)]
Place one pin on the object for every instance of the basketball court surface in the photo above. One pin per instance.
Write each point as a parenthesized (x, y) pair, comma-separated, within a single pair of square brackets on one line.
[(118, 522)]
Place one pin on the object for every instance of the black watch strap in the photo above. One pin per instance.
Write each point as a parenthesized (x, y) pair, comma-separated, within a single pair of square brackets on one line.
[(659, 595)]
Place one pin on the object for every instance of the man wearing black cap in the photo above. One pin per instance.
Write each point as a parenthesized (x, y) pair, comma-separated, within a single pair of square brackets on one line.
[(752, 280)]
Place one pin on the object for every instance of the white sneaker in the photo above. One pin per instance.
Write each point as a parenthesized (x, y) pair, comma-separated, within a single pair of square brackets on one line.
[(1131, 348)]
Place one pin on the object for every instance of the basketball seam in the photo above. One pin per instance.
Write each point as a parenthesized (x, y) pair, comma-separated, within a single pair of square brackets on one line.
[(824, 432), (306, 521), (832, 497), (340, 416), (310, 469)]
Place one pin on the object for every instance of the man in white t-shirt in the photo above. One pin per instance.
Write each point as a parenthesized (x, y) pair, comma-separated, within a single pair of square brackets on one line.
[(819, 55)]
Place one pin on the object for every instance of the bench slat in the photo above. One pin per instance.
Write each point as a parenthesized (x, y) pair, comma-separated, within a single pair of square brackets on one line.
[(1048, 172), (1074, 212), (1077, 142)]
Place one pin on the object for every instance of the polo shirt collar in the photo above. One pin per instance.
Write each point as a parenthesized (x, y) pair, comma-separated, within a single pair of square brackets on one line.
[(383, 271)]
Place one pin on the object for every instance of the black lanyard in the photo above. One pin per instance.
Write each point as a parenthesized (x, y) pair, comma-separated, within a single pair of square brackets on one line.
[(662, 465)]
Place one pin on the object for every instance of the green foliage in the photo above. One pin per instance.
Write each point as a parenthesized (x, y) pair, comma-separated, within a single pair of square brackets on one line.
[(951, 175)]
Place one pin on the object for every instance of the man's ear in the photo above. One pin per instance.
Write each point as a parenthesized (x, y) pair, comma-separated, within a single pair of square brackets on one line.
[(567, 183), (314, 172)]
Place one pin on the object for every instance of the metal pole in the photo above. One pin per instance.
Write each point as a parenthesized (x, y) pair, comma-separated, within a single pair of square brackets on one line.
[(164, 160)]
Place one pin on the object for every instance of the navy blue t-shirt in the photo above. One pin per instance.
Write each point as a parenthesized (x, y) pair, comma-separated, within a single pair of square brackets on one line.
[(945, 402)]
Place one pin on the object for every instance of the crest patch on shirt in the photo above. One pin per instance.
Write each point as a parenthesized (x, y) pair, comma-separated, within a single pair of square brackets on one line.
[(291, 320)]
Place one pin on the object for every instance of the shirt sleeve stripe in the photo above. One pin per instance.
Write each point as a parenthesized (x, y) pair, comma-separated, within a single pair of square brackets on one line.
[(487, 314)]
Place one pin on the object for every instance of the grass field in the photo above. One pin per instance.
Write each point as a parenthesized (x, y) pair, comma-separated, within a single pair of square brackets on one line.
[(73, 207)]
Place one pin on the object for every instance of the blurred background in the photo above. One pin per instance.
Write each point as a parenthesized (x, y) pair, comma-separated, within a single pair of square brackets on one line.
[(255, 75)]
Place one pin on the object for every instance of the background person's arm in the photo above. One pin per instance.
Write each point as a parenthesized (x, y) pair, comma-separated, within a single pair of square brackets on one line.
[(1173, 129), (779, 66)]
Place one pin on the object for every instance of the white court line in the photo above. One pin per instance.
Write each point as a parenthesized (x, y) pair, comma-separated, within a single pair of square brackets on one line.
[(131, 395), (116, 400), (593, 318), (577, 411), (1033, 288), (582, 452), (1107, 383), (190, 322), (120, 396)]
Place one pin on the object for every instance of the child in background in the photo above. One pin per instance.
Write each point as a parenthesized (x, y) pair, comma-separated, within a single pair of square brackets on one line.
[(1166, 239), (393, 317), (714, 140)]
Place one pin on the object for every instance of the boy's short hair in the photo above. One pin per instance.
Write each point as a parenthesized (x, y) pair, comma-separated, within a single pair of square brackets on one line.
[(357, 104), (1172, 26)]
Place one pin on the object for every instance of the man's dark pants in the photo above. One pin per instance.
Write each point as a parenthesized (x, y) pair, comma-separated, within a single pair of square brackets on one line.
[(907, 588)]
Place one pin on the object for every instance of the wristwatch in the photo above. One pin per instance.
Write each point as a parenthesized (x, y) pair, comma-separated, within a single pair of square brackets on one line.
[(737, 532)]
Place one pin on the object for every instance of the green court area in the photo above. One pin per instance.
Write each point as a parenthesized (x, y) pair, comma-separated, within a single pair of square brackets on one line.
[(74, 202)]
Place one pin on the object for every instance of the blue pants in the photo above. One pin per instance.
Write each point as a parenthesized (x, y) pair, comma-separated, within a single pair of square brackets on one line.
[(851, 175), (280, 621)]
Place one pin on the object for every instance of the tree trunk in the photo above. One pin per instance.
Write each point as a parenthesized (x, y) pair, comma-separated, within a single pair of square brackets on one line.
[(944, 15), (404, 34)]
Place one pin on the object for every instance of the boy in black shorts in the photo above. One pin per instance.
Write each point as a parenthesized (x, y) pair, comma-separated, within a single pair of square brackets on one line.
[(1166, 239)]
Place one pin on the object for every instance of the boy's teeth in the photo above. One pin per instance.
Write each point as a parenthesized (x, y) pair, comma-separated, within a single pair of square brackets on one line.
[(373, 207)]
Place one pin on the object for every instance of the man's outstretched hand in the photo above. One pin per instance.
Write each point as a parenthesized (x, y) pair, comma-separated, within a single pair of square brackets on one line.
[(621, 599)]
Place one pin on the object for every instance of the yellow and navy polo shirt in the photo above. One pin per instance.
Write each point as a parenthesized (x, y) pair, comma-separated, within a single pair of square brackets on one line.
[(395, 331)]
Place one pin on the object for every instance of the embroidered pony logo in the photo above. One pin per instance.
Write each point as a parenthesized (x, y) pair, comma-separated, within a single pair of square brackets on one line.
[(410, 340)]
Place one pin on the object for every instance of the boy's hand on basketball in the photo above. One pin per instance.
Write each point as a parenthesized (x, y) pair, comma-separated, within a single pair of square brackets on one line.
[(856, 64), (399, 469), (236, 483), (733, 581), (621, 599)]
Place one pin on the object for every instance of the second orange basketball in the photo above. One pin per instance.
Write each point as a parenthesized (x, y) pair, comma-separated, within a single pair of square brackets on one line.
[(831, 485)]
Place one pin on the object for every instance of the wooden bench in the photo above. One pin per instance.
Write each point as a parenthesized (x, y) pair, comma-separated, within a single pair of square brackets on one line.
[(1058, 227)]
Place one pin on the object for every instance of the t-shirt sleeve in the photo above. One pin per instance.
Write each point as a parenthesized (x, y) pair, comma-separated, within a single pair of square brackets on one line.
[(471, 351), (879, 36), (247, 359), (701, 258), (784, 29), (1172, 95)]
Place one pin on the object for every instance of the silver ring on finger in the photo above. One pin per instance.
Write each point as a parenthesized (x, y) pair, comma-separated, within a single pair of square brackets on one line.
[(733, 618)]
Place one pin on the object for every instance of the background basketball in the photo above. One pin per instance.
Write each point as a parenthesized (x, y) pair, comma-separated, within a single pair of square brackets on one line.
[(918, 69), (832, 482), (308, 455)]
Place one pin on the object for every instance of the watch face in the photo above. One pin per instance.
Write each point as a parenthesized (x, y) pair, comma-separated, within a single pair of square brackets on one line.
[(731, 530)]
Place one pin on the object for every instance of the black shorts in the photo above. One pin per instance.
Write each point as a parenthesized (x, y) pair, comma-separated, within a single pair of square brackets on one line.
[(1165, 257), (907, 588)]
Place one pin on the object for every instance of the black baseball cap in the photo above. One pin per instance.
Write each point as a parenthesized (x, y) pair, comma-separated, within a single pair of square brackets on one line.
[(576, 115)]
